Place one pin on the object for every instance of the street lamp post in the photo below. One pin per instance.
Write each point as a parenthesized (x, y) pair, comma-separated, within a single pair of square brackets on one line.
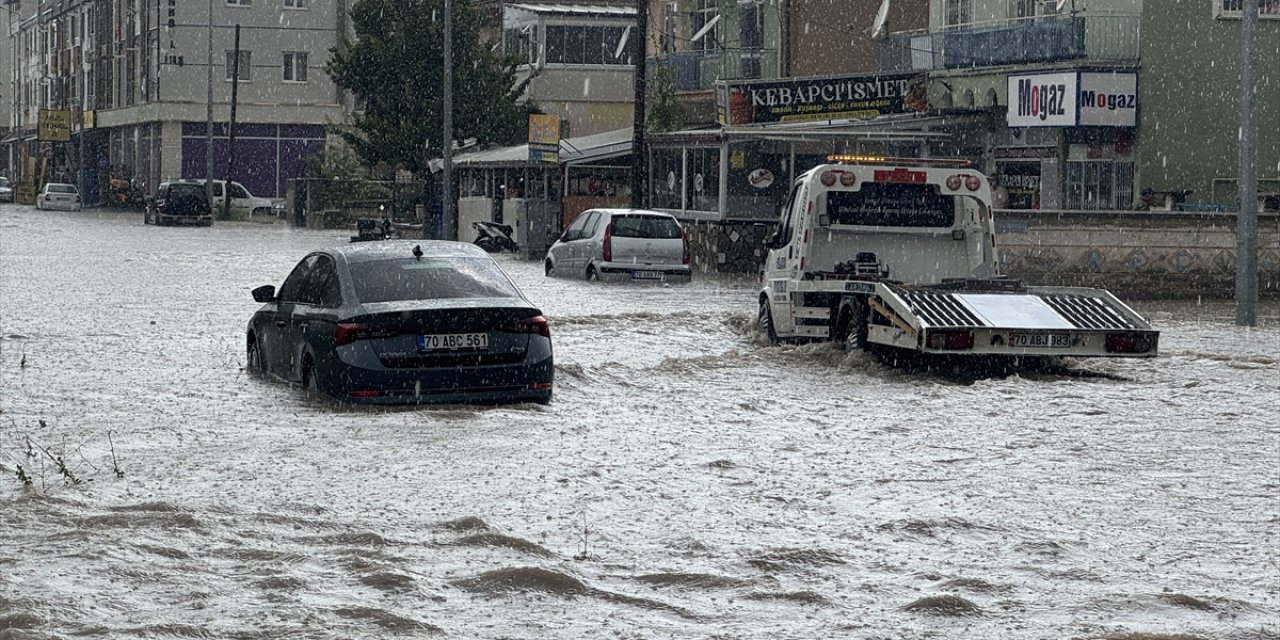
[(446, 200), (1247, 215), (208, 132)]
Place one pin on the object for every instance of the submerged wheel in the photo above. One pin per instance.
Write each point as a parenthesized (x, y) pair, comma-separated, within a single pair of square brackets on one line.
[(546, 268), (854, 326), (309, 374), (766, 323), (591, 273), (253, 357)]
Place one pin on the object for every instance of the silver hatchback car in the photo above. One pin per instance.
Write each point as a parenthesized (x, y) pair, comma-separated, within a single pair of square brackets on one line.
[(622, 244)]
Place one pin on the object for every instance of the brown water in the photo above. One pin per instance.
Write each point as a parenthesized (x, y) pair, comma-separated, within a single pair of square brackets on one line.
[(686, 482)]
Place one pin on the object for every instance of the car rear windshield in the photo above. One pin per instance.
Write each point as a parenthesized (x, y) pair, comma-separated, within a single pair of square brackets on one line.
[(430, 278), (892, 205), (634, 226), (61, 188), (180, 190)]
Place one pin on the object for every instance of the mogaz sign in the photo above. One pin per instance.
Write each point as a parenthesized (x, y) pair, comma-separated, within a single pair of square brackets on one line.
[(1073, 98)]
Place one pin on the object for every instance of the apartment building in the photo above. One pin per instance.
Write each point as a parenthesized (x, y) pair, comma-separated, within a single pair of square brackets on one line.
[(134, 81)]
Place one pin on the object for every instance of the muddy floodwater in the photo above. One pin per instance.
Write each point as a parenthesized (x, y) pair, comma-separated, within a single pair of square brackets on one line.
[(687, 480)]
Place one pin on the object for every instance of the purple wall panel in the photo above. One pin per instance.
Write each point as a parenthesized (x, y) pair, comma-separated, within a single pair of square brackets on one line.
[(267, 155)]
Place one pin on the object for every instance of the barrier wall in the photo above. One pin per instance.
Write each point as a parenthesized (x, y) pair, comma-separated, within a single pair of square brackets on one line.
[(1133, 254)]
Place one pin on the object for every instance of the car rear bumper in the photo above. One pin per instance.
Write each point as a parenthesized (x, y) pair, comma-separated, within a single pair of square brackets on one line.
[(60, 206), (527, 381), (629, 272), (171, 218)]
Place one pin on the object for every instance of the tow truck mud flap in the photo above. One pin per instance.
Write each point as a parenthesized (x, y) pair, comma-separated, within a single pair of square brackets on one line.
[(1051, 321)]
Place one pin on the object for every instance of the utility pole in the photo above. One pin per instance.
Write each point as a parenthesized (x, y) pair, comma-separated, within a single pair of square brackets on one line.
[(1247, 216), (446, 198), (208, 132), (639, 161)]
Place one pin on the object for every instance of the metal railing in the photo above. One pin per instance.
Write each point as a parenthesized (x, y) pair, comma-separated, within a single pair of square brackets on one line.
[(1046, 39), (699, 70)]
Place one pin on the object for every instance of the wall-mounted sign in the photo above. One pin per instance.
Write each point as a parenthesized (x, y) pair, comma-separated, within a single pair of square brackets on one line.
[(1043, 100), (801, 99), (544, 138), (1108, 99), (1073, 98), (54, 126), (172, 55)]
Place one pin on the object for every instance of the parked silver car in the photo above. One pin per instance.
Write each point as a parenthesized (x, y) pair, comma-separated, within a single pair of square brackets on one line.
[(621, 244), (59, 195)]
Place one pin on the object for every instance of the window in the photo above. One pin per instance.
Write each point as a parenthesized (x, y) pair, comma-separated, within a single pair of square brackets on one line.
[(704, 12), (670, 17), (292, 286), (1232, 9), (959, 12), (317, 284), (238, 191), (295, 66), (295, 4), (245, 68), (587, 45), (239, 3)]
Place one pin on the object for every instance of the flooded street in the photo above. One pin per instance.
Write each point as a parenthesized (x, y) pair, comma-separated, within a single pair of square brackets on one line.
[(687, 481)]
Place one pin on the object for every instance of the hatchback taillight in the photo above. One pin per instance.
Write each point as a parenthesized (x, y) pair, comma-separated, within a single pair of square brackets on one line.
[(684, 237), (348, 332), (606, 253)]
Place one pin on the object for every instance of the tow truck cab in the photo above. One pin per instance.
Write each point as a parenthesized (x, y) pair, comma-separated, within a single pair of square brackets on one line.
[(902, 253)]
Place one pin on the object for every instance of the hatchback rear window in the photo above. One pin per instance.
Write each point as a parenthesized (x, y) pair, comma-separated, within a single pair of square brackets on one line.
[(430, 278), (180, 190), (633, 226), (61, 188)]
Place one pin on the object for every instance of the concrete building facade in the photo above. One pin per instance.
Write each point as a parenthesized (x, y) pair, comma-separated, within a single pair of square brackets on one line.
[(134, 79)]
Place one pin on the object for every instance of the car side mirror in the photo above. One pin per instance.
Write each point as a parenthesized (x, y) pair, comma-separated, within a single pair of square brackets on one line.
[(265, 293)]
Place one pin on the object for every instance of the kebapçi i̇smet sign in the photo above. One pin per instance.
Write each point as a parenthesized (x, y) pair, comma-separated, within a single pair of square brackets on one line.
[(827, 98)]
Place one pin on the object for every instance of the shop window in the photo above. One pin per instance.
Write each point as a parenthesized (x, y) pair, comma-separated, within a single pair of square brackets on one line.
[(665, 182), (703, 187), (245, 69), (1099, 184)]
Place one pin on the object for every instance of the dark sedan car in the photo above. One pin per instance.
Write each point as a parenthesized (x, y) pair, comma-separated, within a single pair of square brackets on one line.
[(403, 322)]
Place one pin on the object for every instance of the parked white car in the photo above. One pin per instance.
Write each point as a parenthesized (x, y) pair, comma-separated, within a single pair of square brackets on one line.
[(60, 196), (243, 203), (621, 244), (6, 190)]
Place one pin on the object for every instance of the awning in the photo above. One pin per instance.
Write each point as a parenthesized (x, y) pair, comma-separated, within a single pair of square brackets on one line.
[(573, 151), (889, 127)]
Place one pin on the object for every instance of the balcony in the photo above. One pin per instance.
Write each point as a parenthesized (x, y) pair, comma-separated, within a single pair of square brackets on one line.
[(1043, 40), (699, 70)]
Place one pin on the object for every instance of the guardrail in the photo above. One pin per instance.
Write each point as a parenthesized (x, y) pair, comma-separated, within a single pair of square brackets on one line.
[(699, 70)]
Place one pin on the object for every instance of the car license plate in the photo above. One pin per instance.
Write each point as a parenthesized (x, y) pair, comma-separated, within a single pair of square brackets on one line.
[(646, 275), (1040, 340), (453, 342)]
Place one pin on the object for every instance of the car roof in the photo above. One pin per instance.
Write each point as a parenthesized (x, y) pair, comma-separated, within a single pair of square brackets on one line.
[(59, 184), (645, 212), (392, 249)]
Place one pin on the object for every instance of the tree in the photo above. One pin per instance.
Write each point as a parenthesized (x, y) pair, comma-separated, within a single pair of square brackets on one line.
[(666, 114), (393, 68)]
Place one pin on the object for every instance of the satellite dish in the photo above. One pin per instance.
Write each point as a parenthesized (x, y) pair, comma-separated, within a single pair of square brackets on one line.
[(878, 30), (705, 28)]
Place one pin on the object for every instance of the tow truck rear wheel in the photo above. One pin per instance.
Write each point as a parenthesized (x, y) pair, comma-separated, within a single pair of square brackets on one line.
[(853, 325), (766, 323)]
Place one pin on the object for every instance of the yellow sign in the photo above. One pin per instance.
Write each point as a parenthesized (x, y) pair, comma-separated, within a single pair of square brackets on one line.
[(90, 120), (544, 138), (25, 193), (54, 126)]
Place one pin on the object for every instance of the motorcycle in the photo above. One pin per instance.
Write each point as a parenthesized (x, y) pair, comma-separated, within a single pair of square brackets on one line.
[(494, 236)]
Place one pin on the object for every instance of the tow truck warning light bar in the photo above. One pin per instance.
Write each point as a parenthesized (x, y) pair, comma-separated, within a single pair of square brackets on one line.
[(925, 162)]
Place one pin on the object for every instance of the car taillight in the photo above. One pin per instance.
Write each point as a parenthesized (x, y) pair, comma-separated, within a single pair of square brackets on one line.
[(684, 237), (951, 340), (348, 332), (607, 253), (1129, 342), (537, 324)]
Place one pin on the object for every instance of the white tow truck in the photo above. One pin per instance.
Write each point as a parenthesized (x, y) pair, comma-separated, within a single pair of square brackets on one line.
[(901, 253)]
